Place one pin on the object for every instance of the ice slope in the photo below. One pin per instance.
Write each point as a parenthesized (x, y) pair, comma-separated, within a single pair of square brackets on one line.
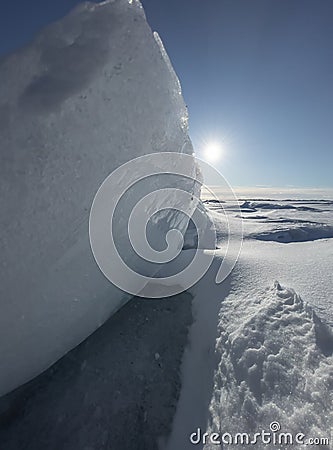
[(91, 92)]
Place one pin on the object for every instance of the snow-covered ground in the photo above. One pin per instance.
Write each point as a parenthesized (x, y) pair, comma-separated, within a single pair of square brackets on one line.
[(258, 351), (288, 241), (92, 92), (261, 343)]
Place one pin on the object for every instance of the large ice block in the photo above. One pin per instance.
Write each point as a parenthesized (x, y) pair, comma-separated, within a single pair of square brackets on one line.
[(91, 92)]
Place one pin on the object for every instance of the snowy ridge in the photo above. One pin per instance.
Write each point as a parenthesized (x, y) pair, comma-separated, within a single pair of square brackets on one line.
[(268, 205), (278, 221), (301, 233)]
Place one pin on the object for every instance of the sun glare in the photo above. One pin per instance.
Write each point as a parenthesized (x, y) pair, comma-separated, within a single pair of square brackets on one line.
[(212, 152)]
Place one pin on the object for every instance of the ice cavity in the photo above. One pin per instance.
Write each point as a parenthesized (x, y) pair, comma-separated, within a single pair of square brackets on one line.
[(275, 365), (92, 91)]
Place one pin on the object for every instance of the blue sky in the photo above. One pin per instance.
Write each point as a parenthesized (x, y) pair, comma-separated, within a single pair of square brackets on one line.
[(257, 76)]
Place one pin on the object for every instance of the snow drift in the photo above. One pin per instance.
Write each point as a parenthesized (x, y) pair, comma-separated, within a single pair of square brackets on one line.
[(259, 352), (92, 91), (275, 365), (300, 233)]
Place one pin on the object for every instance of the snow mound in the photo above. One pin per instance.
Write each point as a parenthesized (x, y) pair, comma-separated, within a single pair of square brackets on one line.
[(266, 219), (92, 92), (254, 206), (275, 365), (301, 233)]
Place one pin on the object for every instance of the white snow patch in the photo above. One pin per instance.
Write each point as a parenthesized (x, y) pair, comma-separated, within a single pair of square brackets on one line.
[(269, 358), (275, 364)]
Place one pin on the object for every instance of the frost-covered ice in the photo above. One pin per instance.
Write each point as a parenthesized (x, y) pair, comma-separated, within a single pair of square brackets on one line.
[(91, 92), (117, 390)]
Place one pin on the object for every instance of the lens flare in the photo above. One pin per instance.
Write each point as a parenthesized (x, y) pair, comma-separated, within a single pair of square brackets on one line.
[(212, 152)]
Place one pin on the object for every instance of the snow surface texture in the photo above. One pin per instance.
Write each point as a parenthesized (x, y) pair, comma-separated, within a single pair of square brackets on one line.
[(257, 353), (275, 365), (260, 352), (92, 91)]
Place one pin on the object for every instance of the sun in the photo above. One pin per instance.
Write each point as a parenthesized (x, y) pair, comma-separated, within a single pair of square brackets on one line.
[(212, 152)]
